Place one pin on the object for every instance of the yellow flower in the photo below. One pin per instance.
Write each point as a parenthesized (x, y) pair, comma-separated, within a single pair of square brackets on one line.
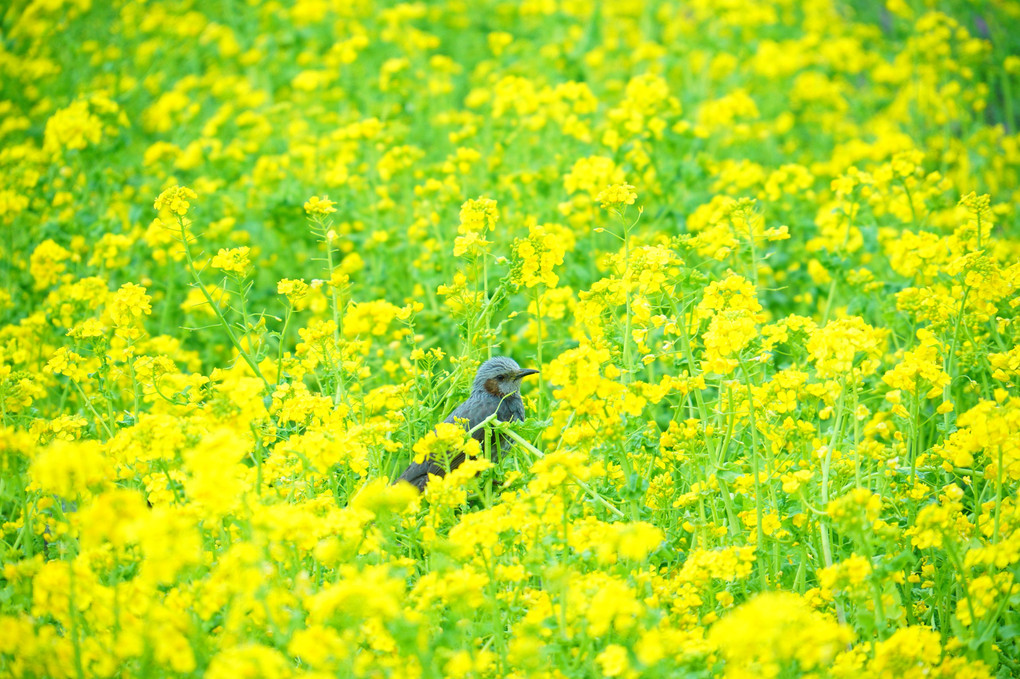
[(613, 661), (73, 127), (249, 660), (909, 653), (777, 633), (66, 362), (476, 217), (67, 468), (983, 596), (90, 328), (175, 200), (320, 207), (114, 517), (232, 261), (588, 174), (835, 347), (478, 214), (538, 254), (935, 523), (920, 369), (735, 313), (793, 482), (632, 541), (847, 574), (128, 305), (294, 289), (606, 602), (471, 242), (729, 564), (318, 646), (47, 263), (382, 498), (446, 439), (617, 195)]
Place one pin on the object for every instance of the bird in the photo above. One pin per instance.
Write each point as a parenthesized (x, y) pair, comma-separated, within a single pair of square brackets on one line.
[(496, 389)]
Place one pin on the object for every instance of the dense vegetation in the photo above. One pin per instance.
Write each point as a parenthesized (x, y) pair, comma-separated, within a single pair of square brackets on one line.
[(765, 255)]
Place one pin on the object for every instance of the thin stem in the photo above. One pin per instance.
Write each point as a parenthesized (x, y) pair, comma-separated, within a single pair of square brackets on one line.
[(915, 439), (538, 348), (582, 484), (215, 307), (485, 296), (283, 340), (823, 527), (99, 419), (759, 512), (998, 497), (713, 451), (73, 613)]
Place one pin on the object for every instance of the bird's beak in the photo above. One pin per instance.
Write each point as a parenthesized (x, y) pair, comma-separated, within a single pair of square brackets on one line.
[(525, 373)]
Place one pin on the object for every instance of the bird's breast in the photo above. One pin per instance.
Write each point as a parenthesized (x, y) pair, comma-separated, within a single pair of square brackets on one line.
[(510, 409)]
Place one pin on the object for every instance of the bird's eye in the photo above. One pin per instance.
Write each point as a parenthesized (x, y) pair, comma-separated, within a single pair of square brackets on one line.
[(501, 377)]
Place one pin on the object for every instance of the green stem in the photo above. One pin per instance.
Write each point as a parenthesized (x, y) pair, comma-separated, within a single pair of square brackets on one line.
[(627, 339), (846, 239), (962, 573), (485, 296), (713, 452), (338, 316), (754, 256), (913, 212), (73, 613), (915, 439), (759, 512), (828, 301), (823, 527), (99, 419), (998, 497), (283, 341), (538, 453), (538, 348), (216, 309)]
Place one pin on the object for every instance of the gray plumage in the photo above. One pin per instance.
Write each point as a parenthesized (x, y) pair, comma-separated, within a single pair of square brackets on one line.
[(496, 389)]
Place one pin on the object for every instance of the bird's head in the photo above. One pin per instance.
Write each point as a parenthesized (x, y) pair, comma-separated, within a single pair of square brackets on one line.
[(500, 376)]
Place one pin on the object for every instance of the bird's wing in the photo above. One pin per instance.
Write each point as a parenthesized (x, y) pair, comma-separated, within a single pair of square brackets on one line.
[(417, 473), (471, 410)]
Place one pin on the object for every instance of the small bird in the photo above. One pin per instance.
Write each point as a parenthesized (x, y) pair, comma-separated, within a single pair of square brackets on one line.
[(496, 389)]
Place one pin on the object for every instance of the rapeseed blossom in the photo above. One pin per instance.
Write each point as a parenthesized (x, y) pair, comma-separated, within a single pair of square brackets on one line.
[(477, 216), (616, 195), (175, 200), (234, 261), (320, 207)]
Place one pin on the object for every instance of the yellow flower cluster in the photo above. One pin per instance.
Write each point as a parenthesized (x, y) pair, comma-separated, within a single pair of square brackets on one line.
[(445, 443), (541, 252), (476, 217), (920, 369), (617, 195), (734, 313), (776, 633), (175, 200), (836, 347), (319, 207), (234, 261)]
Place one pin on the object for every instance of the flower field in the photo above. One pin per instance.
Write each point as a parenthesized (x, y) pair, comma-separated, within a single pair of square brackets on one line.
[(766, 256)]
